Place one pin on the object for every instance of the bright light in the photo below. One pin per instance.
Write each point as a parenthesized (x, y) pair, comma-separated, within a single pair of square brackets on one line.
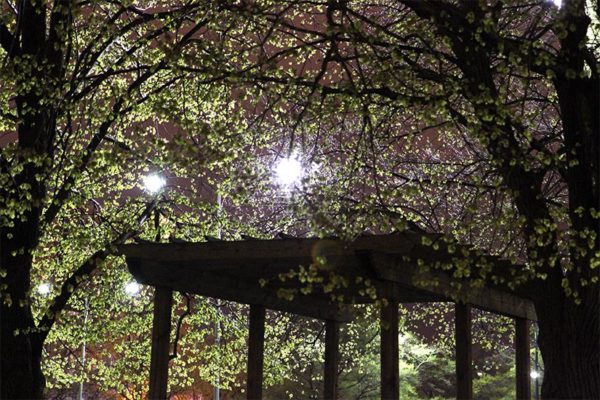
[(44, 289), (402, 339), (132, 288), (288, 171), (557, 3), (534, 374), (154, 183)]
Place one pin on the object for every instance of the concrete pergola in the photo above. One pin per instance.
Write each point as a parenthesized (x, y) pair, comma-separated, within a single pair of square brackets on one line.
[(249, 272)]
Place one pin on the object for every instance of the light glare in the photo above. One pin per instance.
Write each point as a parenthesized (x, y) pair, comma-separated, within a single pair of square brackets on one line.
[(557, 3), (132, 288), (402, 339), (44, 289), (534, 374), (288, 171), (154, 183)]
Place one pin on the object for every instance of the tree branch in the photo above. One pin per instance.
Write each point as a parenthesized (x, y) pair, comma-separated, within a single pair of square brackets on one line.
[(188, 311), (64, 192), (7, 40), (78, 276)]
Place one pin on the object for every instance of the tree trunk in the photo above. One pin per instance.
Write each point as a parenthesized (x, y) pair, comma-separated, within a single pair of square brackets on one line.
[(20, 347), (20, 375), (569, 340)]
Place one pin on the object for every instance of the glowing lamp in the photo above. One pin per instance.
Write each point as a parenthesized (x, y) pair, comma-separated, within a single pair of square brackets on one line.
[(288, 171), (44, 289), (132, 288), (154, 183)]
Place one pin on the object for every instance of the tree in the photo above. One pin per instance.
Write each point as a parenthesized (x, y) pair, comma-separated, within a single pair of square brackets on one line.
[(117, 335), (85, 89), (473, 119), (476, 119)]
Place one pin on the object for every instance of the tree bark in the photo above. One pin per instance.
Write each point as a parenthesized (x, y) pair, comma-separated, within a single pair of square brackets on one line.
[(20, 350), (569, 340), (21, 375)]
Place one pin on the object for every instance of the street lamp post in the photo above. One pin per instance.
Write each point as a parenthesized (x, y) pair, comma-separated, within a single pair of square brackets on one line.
[(217, 328), (44, 289), (154, 184), (83, 346), (288, 172)]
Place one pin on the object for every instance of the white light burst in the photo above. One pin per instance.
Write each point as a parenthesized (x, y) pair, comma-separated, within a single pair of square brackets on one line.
[(132, 288), (288, 172), (154, 183), (44, 289)]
